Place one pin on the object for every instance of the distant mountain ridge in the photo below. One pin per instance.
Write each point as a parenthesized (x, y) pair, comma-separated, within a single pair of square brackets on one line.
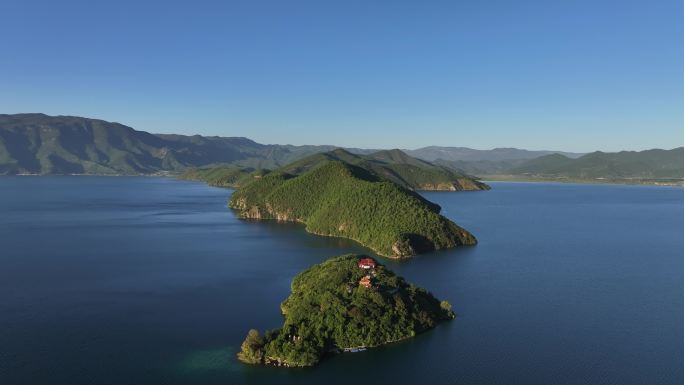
[(433, 153), (648, 164), (40, 144), (36, 143)]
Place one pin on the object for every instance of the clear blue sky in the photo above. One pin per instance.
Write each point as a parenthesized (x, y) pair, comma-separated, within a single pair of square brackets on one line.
[(564, 75)]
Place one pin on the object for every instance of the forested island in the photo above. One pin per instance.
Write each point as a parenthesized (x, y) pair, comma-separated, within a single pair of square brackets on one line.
[(344, 200), (346, 303)]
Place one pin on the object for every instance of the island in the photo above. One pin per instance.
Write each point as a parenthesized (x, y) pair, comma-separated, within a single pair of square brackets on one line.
[(340, 199), (345, 304)]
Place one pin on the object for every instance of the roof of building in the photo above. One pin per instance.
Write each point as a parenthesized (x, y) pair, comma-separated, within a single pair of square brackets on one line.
[(365, 281), (366, 262)]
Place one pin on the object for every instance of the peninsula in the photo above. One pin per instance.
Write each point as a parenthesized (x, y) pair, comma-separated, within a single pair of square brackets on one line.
[(344, 200), (347, 303)]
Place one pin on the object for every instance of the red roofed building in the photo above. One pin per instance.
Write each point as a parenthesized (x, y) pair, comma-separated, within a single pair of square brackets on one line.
[(367, 263)]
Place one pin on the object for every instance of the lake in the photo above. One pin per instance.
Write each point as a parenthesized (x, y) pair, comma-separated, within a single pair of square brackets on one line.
[(142, 280)]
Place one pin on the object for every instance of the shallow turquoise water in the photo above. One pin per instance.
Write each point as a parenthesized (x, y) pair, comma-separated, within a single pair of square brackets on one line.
[(152, 280)]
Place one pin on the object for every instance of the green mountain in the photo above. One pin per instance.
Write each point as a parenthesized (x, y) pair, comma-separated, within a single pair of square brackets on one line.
[(396, 166), (42, 144), (480, 167), (340, 199), (330, 310), (649, 164)]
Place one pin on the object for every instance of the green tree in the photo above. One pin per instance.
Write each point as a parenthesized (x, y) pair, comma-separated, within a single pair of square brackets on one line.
[(252, 349)]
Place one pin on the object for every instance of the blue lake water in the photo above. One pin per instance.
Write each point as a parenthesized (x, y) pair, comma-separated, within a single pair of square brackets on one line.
[(153, 281)]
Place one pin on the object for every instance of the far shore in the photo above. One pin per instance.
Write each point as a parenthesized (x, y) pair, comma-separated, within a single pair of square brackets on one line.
[(667, 182), (673, 182)]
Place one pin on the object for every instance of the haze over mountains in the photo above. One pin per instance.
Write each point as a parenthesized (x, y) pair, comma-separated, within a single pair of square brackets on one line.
[(42, 144)]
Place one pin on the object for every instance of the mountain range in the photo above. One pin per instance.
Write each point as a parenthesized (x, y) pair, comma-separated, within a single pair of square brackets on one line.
[(41, 144), (433, 153), (649, 164)]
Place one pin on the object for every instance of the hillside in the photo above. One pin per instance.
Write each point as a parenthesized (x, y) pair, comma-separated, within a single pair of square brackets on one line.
[(42, 144), (36, 143), (48, 145), (396, 166), (650, 164), (334, 307), (340, 199)]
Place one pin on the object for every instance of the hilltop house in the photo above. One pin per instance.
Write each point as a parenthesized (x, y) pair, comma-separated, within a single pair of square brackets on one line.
[(366, 263)]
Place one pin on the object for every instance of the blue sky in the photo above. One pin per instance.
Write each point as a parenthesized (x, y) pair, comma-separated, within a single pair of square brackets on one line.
[(564, 75)]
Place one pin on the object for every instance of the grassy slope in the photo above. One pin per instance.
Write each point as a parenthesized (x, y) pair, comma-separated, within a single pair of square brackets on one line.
[(339, 199), (328, 309)]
